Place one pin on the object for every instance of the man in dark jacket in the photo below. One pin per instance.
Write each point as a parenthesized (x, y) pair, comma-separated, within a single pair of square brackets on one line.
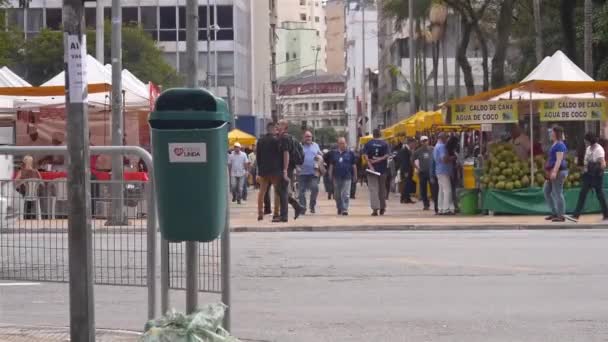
[(406, 168), (269, 165)]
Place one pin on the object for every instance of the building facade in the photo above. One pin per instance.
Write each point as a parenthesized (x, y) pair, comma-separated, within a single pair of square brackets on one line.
[(301, 27), (334, 36), (361, 65), (315, 101), (225, 62)]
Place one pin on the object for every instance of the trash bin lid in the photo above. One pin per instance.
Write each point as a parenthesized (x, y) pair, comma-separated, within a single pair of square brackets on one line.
[(188, 104)]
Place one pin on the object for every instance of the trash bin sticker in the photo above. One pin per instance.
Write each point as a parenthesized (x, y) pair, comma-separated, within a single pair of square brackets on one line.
[(187, 152)]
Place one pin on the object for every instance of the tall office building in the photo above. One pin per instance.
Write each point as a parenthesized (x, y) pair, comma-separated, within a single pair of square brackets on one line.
[(229, 53)]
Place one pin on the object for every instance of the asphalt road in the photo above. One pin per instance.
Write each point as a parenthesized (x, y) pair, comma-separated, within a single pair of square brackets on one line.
[(384, 286)]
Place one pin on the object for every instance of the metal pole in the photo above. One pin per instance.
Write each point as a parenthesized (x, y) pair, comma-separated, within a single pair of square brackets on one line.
[(99, 32), (445, 62), (80, 236), (456, 65), (412, 56), (225, 250), (117, 217), (215, 29), (538, 31), (531, 141), (314, 91), (192, 82), (364, 79), (208, 79)]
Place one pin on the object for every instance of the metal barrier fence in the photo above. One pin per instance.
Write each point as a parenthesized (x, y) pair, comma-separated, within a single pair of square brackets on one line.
[(34, 241)]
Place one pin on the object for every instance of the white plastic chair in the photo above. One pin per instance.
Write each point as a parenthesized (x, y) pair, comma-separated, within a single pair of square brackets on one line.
[(61, 194), (31, 195)]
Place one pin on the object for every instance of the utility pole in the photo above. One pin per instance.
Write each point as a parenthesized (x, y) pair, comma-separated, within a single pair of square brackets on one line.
[(80, 237), (412, 52), (273, 61), (208, 71), (314, 85), (456, 64), (192, 82), (117, 216), (99, 32), (368, 124), (216, 27)]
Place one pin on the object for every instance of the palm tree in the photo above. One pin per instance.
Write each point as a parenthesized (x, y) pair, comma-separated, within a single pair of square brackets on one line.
[(588, 37), (539, 31)]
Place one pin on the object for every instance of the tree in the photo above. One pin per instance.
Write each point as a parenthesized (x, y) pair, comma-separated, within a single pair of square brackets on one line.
[(567, 13), (503, 29), (538, 31), (588, 37), (42, 57)]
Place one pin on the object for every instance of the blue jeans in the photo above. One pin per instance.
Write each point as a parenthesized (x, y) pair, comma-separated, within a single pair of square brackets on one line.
[(342, 194), (554, 194), (306, 183), (237, 187)]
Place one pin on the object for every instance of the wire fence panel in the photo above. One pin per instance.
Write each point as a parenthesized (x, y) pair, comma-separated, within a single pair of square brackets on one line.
[(34, 240), (210, 274), (33, 232)]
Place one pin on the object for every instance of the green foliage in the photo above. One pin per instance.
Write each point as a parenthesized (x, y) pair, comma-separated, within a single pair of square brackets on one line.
[(43, 56), (399, 9), (11, 43), (326, 136)]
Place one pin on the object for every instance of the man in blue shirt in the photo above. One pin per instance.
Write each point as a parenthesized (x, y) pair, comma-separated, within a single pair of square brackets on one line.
[(375, 153), (342, 170), (443, 169), (308, 178)]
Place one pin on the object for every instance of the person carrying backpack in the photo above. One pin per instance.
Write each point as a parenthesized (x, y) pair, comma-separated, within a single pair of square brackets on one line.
[(292, 155)]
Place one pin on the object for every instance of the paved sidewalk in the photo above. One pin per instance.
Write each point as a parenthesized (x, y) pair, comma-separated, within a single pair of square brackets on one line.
[(243, 218), (11, 333)]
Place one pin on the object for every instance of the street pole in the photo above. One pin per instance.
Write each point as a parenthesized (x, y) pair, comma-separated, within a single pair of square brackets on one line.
[(80, 237), (117, 216), (368, 124), (99, 32), (314, 85), (215, 29), (207, 78), (412, 35), (192, 82)]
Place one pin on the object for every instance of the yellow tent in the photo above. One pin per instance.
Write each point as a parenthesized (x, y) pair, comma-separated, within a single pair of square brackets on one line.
[(364, 140), (245, 139)]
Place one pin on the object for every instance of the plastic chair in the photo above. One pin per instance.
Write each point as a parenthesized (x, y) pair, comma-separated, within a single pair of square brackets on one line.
[(31, 195), (61, 194)]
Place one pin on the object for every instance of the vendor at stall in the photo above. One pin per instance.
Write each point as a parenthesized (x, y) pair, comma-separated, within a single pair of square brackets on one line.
[(521, 142)]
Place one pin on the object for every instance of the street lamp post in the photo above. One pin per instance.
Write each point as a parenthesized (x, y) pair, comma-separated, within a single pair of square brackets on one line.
[(314, 90)]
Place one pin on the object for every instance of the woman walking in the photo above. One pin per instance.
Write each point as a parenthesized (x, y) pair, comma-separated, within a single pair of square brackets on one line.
[(593, 178), (556, 171)]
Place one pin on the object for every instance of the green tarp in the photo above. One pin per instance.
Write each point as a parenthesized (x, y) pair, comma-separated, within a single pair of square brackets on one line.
[(532, 201)]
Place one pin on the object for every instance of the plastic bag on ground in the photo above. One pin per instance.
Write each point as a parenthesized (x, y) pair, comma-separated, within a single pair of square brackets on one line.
[(202, 326)]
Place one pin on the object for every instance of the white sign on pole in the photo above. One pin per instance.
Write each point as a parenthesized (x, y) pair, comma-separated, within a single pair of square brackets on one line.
[(77, 68)]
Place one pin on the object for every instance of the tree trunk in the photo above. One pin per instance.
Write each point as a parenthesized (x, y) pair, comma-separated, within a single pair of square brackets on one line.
[(588, 39), (503, 28), (484, 54), (445, 63), (462, 59), (435, 73), (538, 28), (567, 9)]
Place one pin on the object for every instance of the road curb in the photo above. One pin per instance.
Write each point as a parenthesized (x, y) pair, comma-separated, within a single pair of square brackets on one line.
[(421, 227)]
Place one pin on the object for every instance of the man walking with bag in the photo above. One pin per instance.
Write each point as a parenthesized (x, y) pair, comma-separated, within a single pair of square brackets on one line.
[(342, 170), (375, 154)]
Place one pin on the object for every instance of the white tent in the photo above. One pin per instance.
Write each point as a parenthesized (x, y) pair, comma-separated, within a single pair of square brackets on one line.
[(555, 68), (135, 98), (9, 79)]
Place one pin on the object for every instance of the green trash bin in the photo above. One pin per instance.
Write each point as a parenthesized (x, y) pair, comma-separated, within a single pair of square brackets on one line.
[(468, 201), (189, 129)]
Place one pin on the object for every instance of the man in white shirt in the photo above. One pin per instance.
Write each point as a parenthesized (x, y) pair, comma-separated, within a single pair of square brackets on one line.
[(521, 142), (238, 165), (593, 178)]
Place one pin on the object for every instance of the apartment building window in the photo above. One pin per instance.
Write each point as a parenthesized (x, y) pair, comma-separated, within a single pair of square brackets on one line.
[(149, 21), (130, 15), (53, 18), (342, 122), (316, 19), (294, 55), (34, 21), (315, 106), (90, 17), (168, 24), (302, 2), (286, 56), (303, 16)]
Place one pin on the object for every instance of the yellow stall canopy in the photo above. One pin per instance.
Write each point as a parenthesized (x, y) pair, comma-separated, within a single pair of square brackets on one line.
[(245, 139), (364, 140)]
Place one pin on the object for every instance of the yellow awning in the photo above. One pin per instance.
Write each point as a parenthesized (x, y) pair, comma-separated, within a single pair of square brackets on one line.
[(245, 139), (364, 140)]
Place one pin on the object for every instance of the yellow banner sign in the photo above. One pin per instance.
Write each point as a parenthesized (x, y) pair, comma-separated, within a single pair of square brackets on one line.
[(573, 110), (484, 112)]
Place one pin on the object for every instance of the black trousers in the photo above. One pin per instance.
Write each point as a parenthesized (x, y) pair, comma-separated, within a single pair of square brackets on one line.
[(425, 179), (267, 207), (596, 183), (435, 192), (353, 188), (286, 197), (408, 189)]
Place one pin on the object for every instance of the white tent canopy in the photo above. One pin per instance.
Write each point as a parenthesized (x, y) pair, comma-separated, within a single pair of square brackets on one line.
[(555, 68), (9, 79), (135, 96)]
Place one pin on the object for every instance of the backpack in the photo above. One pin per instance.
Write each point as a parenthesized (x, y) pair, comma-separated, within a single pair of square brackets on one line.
[(296, 153)]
